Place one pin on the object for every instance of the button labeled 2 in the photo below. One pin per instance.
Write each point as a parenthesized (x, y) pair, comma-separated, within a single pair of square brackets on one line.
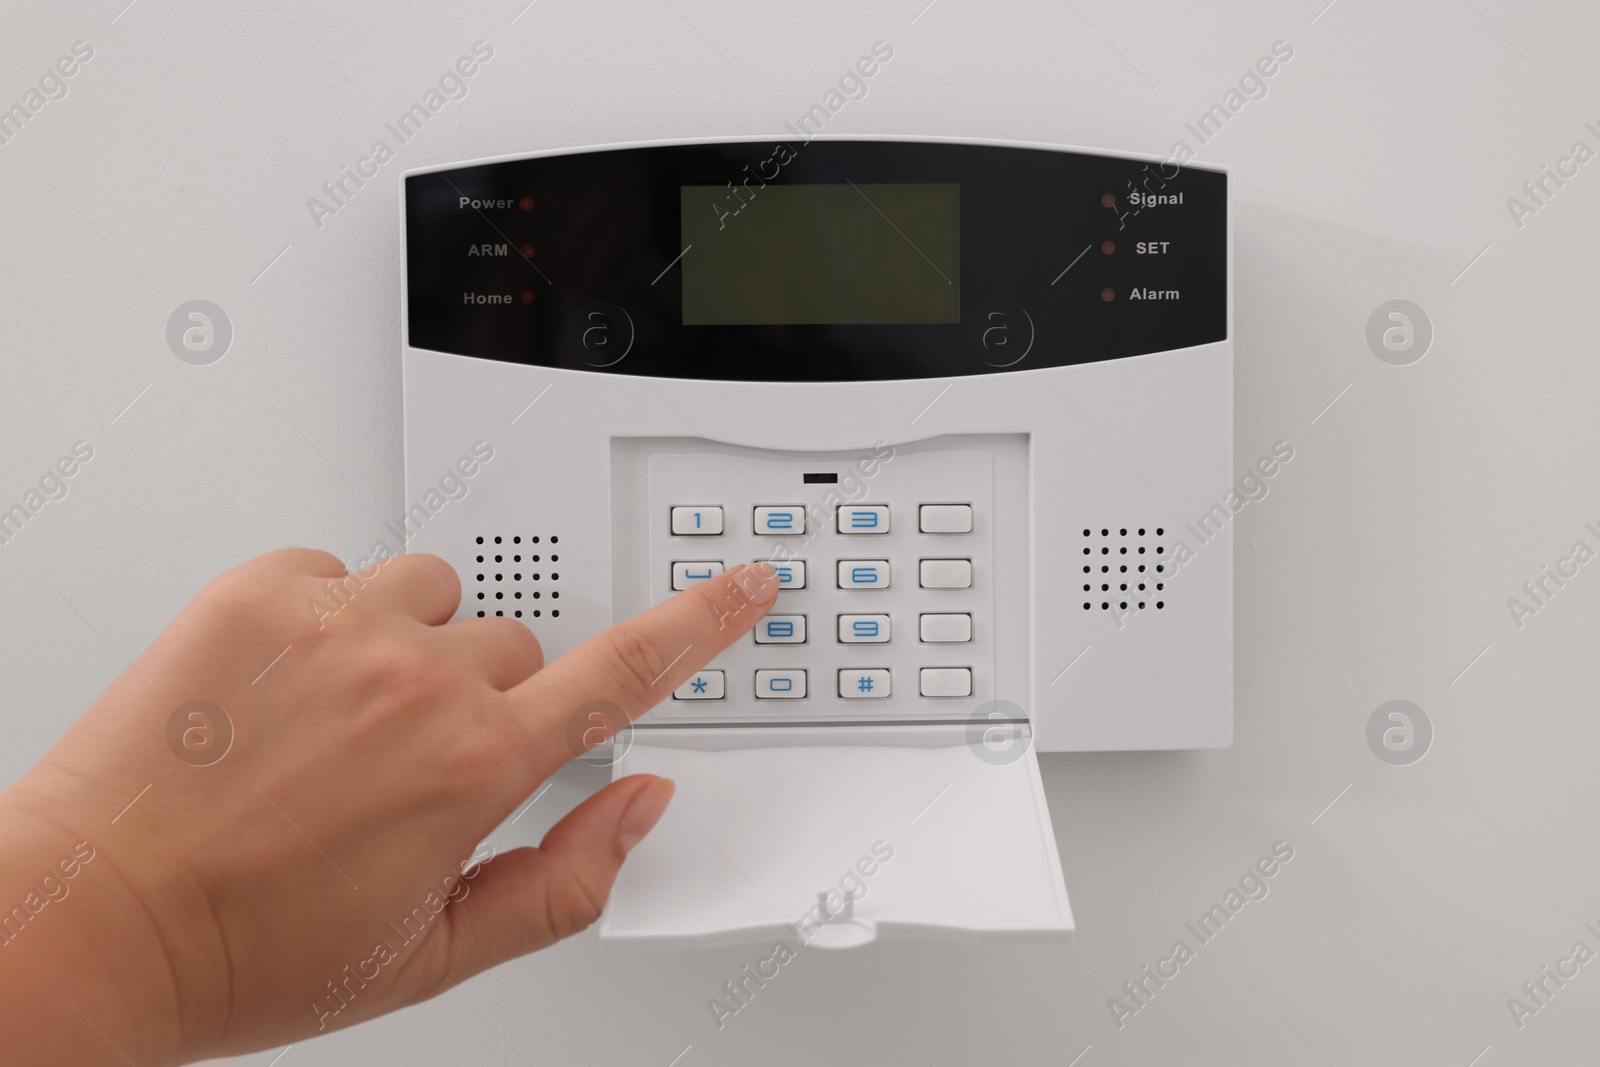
[(781, 520)]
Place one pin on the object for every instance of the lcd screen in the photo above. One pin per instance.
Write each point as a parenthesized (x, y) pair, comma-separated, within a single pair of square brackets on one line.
[(837, 254)]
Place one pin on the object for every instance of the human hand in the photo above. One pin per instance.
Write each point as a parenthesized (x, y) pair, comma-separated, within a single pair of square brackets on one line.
[(371, 750)]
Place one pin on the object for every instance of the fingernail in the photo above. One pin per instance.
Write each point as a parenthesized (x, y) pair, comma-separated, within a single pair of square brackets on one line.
[(758, 581), (644, 811)]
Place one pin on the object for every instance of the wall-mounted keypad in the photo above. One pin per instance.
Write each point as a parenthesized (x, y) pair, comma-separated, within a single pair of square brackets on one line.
[(884, 602)]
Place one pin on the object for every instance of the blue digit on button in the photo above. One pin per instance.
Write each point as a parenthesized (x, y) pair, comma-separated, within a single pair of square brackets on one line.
[(780, 629), (863, 520), (695, 574), (780, 520), (780, 685), (864, 575), (866, 627), (785, 573)]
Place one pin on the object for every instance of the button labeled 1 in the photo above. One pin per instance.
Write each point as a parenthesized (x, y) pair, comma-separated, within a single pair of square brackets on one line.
[(692, 520), (864, 519), (781, 520), (863, 574)]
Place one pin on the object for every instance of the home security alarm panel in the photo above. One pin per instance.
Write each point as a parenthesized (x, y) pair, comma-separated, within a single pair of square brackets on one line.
[(970, 399)]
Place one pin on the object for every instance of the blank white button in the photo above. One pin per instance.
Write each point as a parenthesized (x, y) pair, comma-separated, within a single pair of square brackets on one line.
[(781, 520), (688, 521), (863, 574), (693, 573), (864, 519), (947, 574), (791, 573), (863, 629), (707, 685), (946, 681), (946, 627), (781, 630), (864, 683), (780, 685), (946, 518)]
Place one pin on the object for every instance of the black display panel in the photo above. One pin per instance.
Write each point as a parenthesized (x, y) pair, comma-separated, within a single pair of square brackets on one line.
[(815, 261)]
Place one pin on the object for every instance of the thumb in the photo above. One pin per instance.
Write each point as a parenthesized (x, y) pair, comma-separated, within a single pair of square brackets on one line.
[(530, 898)]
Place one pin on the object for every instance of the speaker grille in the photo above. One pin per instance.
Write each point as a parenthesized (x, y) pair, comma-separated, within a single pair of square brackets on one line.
[(516, 575), (1121, 569)]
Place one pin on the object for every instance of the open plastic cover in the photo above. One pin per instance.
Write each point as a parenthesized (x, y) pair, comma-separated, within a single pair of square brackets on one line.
[(834, 836)]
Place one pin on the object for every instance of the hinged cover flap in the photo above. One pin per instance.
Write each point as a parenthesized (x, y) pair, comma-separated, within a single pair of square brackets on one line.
[(836, 836)]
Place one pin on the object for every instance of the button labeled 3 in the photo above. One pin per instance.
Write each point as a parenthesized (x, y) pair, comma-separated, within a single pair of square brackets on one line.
[(864, 519)]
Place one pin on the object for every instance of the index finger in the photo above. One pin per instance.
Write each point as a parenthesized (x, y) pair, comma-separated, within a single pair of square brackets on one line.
[(640, 661)]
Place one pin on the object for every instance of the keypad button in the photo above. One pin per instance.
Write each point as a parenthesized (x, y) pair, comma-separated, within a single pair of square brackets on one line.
[(946, 574), (696, 519), (781, 630), (693, 572), (946, 681), (706, 685), (945, 627), (863, 574), (864, 519), (791, 573), (864, 683), (863, 629), (781, 520), (780, 685), (945, 518)]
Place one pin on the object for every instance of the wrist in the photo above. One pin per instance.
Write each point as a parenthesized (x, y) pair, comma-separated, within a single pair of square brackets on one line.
[(87, 973)]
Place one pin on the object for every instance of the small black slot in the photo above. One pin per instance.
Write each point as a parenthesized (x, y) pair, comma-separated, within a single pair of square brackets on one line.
[(820, 478)]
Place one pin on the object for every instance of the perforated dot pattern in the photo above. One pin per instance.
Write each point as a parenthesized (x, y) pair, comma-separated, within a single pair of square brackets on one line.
[(1121, 568), (515, 575)]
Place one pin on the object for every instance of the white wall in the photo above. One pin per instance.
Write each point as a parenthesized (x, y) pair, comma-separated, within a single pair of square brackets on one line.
[(1377, 167)]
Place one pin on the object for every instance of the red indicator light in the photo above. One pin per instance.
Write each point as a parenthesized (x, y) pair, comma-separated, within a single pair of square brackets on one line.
[(527, 296), (1108, 247), (526, 203), (527, 251), (1108, 295), (1108, 201)]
